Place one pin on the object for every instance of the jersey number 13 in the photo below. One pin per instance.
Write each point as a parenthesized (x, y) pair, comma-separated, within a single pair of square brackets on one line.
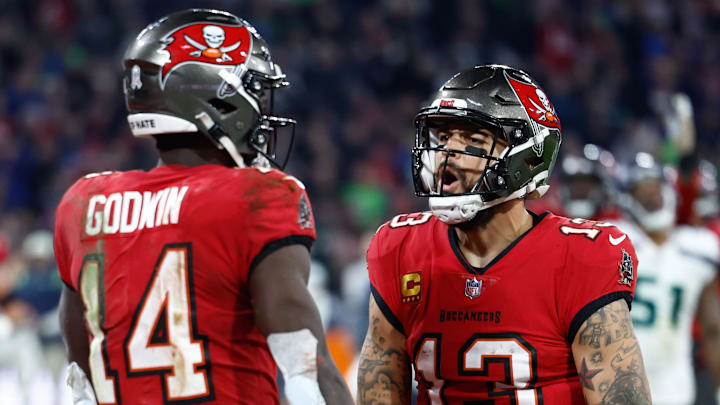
[(509, 352)]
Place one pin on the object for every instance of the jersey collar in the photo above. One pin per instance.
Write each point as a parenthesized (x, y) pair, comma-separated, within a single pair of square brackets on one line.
[(452, 236)]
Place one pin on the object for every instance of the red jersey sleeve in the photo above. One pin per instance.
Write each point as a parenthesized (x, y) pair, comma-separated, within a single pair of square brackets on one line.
[(600, 267), (68, 222), (60, 245), (278, 214), (382, 259)]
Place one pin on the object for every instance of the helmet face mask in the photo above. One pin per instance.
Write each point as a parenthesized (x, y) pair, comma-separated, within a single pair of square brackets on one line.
[(587, 187), (707, 204), (583, 197), (648, 195), (208, 72), (435, 156), (263, 139), (520, 158)]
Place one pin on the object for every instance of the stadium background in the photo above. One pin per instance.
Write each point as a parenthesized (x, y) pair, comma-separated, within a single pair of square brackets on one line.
[(358, 72)]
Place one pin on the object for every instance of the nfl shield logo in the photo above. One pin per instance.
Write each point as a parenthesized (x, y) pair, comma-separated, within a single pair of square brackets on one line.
[(135, 78), (473, 287)]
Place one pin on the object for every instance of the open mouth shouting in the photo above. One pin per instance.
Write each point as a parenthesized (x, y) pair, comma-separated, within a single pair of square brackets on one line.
[(451, 180)]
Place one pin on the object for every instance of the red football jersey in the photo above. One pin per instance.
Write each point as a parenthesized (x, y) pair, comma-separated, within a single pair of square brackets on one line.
[(162, 260), (502, 333)]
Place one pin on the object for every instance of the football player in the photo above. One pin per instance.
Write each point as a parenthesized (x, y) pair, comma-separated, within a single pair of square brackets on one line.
[(488, 302), (586, 189), (699, 199), (699, 206), (709, 320), (676, 262), (705, 212), (191, 278)]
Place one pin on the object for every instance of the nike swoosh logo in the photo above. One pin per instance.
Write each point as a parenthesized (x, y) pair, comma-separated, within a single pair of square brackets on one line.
[(616, 241)]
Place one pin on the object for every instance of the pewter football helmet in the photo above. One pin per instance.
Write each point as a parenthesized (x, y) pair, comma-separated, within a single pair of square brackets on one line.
[(514, 107), (208, 72)]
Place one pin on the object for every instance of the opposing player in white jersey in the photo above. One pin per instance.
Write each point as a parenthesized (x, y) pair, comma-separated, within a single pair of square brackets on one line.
[(676, 262)]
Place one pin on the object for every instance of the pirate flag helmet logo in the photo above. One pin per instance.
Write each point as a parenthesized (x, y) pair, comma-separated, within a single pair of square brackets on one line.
[(209, 72), (205, 43), (536, 103)]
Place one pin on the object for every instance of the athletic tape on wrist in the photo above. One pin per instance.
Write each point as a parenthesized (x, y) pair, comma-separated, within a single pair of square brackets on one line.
[(296, 356)]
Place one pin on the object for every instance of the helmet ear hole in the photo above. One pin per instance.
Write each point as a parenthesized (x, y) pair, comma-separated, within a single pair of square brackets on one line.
[(533, 162), (222, 106)]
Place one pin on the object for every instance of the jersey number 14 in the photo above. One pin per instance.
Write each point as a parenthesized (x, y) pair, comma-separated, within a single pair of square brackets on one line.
[(180, 357)]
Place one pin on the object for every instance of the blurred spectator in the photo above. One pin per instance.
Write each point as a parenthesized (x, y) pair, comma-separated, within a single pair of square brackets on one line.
[(355, 293), (39, 287), (20, 348), (622, 75), (40, 284), (359, 70), (666, 299)]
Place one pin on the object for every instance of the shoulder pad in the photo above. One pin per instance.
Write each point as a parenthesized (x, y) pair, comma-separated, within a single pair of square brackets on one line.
[(390, 234), (584, 227), (97, 174), (274, 175), (408, 220), (595, 242)]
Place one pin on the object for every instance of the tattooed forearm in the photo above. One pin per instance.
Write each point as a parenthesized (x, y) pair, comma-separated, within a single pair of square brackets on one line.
[(608, 359), (628, 387), (384, 370), (586, 375)]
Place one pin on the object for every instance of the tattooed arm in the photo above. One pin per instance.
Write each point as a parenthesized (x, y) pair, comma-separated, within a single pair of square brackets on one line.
[(384, 371), (608, 358)]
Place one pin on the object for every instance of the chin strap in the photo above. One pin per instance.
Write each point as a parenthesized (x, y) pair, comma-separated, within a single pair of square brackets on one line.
[(463, 208), (232, 151), (457, 209), (218, 135)]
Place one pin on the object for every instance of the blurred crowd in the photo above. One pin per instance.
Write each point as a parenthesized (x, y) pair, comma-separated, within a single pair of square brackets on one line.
[(627, 75)]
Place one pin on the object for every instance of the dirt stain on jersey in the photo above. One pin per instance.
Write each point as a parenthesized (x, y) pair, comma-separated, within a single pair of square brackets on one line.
[(257, 203), (260, 186), (179, 266), (78, 204), (178, 366), (177, 316), (99, 248)]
